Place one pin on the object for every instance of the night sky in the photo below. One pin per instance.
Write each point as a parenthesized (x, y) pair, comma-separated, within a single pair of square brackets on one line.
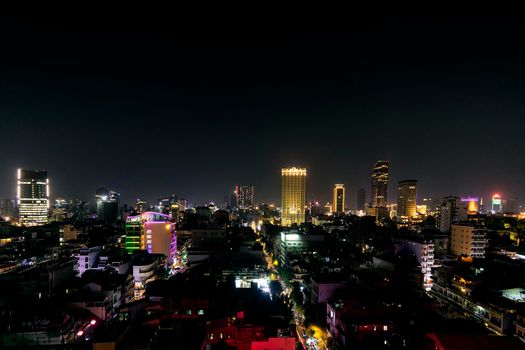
[(157, 106)]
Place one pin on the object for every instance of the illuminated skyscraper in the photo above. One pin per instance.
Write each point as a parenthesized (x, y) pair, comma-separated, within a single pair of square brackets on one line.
[(32, 196), (339, 199), (496, 203), (244, 196), (406, 198), (293, 196), (379, 184)]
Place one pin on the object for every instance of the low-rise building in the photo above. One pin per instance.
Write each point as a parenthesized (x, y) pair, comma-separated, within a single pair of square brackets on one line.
[(468, 240), (423, 250), (153, 232), (87, 257), (293, 242), (145, 270)]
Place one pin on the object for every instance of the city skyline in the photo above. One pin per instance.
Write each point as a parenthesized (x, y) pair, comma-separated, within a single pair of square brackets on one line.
[(177, 183), (93, 116), (351, 195)]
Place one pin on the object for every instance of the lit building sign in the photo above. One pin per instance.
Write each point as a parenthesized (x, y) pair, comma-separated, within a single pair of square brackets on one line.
[(496, 203)]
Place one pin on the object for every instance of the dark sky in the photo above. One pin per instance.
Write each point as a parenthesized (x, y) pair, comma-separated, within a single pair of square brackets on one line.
[(157, 105)]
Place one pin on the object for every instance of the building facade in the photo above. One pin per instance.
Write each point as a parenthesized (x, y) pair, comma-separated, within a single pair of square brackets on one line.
[(153, 232), (468, 240), (293, 196), (86, 258), (293, 242), (379, 184), (245, 196), (497, 206), (452, 211), (32, 197), (339, 199), (406, 198), (423, 250)]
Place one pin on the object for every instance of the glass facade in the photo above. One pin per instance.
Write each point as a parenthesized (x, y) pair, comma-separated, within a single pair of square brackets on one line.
[(406, 200), (379, 184)]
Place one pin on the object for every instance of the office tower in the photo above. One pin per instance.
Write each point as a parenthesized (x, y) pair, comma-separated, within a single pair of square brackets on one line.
[(379, 184), (245, 196), (293, 196), (406, 198), (339, 199), (468, 240), (496, 203), (361, 198), (32, 197), (107, 204), (153, 232)]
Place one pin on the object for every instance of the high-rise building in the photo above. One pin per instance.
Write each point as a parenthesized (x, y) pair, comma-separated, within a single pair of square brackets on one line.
[(406, 198), (245, 196), (452, 211), (468, 240), (379, 184), (339, 199), (361, 198), (496, 203), (293, 196), (107, 203), (32, 197), (154, 232)]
